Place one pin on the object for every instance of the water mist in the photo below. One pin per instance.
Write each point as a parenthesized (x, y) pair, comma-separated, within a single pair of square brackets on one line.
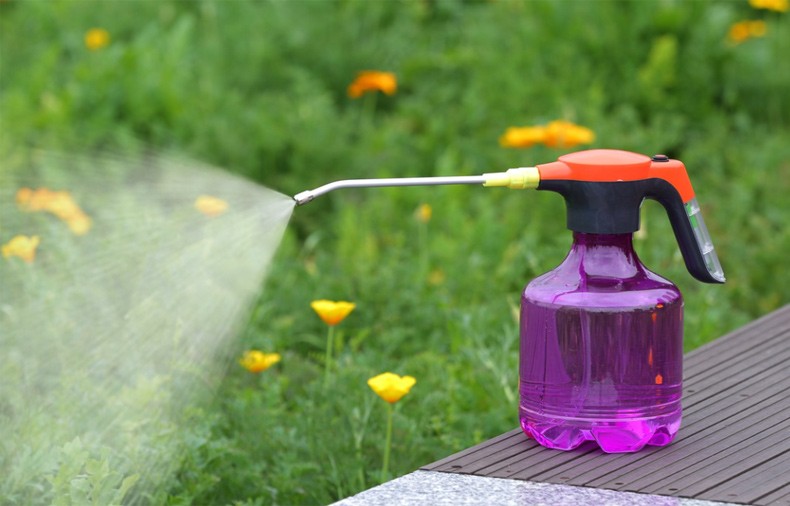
[(123, 323)]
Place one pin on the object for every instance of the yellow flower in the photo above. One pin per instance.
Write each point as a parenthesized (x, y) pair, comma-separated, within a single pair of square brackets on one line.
[(436, 277), (22, 246), (79, 224), (62, 205), (257, 361), (564, 134), (210, 206), (96, 38), (373, 80), (29, 200), (743, 30), (773, 5), (332, 312), (757, 28), (522, 137), (424, 213), (23, 197), (391, 387)]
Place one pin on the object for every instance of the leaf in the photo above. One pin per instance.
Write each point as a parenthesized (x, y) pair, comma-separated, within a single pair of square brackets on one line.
[(127, 483), (93, 466), (104, 492), (79, 492)]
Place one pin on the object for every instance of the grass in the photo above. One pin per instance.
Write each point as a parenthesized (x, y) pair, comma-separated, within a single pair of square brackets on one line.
[(259, 88)]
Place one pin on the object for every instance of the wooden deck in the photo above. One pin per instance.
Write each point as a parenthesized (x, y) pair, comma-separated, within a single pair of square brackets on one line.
[(733, 445)]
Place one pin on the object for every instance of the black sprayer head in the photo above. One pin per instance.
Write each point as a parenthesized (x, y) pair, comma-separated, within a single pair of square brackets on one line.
[(604, 190)]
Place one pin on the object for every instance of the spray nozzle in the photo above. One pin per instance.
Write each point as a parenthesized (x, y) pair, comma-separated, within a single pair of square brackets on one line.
[(304, 197)]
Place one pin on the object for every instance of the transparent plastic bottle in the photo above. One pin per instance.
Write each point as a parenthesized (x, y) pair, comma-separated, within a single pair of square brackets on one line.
[(601, 350)]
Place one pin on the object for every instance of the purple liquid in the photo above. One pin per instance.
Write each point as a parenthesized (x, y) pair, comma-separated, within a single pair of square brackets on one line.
[(601, 350)]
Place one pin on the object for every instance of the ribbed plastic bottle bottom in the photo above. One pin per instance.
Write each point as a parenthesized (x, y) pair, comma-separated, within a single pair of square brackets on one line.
[(613, 435)]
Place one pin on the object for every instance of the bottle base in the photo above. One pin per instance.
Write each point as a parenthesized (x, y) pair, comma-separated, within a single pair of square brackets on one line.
[(612, 436)]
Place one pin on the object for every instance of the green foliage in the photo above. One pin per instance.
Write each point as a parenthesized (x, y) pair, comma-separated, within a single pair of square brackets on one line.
[(259, 88), (82, 481)]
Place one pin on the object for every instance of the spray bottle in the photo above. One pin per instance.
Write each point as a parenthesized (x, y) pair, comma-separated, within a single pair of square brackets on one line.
[(601, 337)]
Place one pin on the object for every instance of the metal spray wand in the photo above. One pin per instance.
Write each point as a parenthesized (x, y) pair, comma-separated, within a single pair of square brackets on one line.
[(520, 178)]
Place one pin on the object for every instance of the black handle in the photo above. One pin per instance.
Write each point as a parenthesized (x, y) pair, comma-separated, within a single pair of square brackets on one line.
[(698, 254), (608, 207)]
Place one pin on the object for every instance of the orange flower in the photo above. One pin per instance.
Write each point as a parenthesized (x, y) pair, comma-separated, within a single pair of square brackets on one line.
[(739, 32), (257, 361), (744, 30), (59, 203), (391, 387), (96, 38), (332, 312), (564, 134), (210, 206), (772, 5), (22, 246), (522, 137), (373, 80), (557, 134)]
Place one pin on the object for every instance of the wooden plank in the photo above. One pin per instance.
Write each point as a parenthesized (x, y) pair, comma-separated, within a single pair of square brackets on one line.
[(508, 466), (751, 372), (757, 481), (736, 469), (725, 354), (522, 449), (754, 352), (459, 465), (550, 462), (710, 461), (473, 449), (779, 496), (740, 383), (734, 340)]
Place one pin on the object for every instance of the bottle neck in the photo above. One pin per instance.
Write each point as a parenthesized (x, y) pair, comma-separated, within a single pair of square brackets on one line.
[(623, 242), (604, 255)]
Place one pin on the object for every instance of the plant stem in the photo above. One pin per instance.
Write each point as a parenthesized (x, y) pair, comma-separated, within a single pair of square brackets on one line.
[(369, 109), (361, 472), (426, 264), (388, 444), (330, 343)]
